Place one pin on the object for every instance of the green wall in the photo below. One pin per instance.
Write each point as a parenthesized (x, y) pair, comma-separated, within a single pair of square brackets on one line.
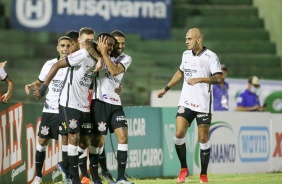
[(271, 12)]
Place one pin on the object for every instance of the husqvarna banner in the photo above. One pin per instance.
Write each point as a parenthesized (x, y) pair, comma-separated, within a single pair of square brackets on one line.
[(151, 19)]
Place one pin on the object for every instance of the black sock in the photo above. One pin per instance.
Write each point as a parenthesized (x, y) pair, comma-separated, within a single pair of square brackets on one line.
[(65, 160), (205, 157), (103, 161), (82, 165), (94, 160), (39, 161), (73, 168), (64, 155), (181, 153), (121, 159)]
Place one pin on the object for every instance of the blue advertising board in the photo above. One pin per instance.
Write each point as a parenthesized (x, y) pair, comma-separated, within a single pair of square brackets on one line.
[(151, 19)]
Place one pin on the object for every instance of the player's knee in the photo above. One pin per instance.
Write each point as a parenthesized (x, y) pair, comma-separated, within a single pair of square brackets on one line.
[(122, 139), (179, 141), (40, 148), (93, 150)]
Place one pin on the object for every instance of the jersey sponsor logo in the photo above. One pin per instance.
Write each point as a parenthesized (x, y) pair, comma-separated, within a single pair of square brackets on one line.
[(106, 97), (86, 125), (73, 124), (34, 14), (202, 115), (120, 118), (44, 130), (102, 126), (64, 125), (85, 81)]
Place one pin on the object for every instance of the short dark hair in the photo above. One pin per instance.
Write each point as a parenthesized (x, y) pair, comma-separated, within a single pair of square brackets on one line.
[(64, 38), (72, 34), (107, 35), (117, 33), (86, 30)]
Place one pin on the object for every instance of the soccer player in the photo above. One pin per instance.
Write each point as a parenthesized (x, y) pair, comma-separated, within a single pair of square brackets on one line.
[(4, 77), (74, 105), (200, 67), (82, 160), (50, 122), (106, 110)]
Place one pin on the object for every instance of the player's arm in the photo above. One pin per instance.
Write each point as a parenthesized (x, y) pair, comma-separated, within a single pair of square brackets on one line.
[(254, 108), (54, 69), (113, 68), (174, 80), (8, 95), (33, 86), (214, 79)]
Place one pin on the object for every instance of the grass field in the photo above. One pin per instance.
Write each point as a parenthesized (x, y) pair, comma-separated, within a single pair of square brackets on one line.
[(270, 178)]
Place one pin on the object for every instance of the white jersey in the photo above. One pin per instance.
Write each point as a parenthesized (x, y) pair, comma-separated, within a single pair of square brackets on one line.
[(204, 65), (79, 78), (105, 84), (51, 104), (3, 74)]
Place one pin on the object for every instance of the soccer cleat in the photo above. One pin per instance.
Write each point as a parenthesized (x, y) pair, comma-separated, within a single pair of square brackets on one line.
[(123, 181), (85, 180), (203, 178), (65, 175), (37, 180), (108, 177), (184, 172)]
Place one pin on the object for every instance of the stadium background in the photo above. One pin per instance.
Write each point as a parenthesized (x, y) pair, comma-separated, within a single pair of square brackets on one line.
[(244, 33)]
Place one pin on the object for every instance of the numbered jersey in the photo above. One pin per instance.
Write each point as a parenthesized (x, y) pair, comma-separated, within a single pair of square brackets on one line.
[(79, 78), (51, 104), (204, 65), (105, 83)]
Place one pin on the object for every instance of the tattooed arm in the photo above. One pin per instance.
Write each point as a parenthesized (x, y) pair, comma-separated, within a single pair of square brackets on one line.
[(215, 79)]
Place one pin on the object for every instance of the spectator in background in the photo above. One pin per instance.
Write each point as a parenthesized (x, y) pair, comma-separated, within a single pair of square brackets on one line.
[(248, 100), (220, 92), (4, 77)]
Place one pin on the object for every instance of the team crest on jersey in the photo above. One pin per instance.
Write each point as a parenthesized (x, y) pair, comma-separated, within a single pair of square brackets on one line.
[(102, 126), (202, 63), (73, 123), (44, 130), (181, 110)]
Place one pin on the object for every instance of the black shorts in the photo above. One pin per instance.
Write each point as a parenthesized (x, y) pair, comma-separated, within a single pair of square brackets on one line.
[(106, 116), (49, 125), (74, 121), (189, 115)]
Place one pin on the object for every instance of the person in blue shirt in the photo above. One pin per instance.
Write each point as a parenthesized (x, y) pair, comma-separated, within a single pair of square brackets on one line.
[(220, 92), (248, 100)]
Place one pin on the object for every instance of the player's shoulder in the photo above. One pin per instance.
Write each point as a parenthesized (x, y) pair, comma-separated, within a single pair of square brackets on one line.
[(51, 62), (209, 53), (187, 52)]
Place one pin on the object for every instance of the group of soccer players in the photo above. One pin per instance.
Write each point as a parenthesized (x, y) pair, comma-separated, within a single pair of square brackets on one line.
[(83, 65)]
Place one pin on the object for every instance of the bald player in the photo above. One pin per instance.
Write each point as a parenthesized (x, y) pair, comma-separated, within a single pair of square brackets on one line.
[(200, 68)]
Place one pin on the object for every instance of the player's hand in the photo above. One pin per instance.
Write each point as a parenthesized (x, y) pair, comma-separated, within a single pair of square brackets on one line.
[(119, 89), (27, 88), (6, 97), (40, 92), (193, 81), (3, 64), (91, 48), (98, 66), (103, 44), (161, 93), (37, 95)]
